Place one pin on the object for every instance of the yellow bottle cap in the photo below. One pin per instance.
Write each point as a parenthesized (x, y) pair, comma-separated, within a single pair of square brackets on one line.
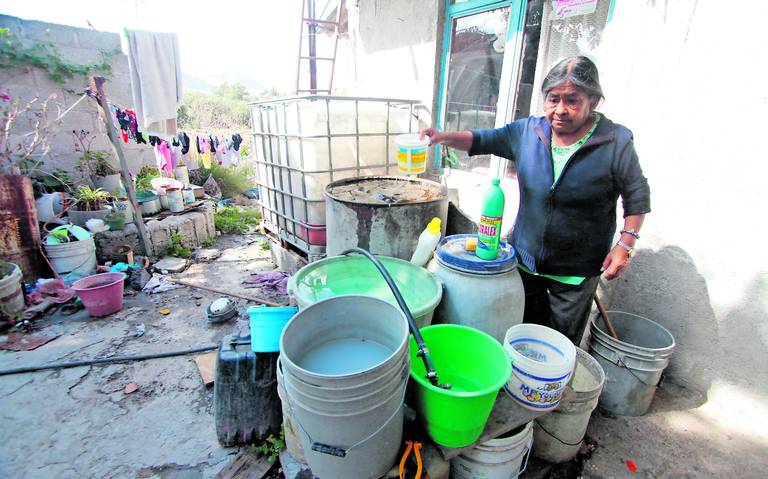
[(434, 226)]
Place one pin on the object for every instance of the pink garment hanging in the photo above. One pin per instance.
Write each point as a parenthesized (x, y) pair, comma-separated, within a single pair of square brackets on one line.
[(165, 153)]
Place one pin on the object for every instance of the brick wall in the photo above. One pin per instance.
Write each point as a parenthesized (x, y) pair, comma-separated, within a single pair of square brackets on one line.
[(78, 46)]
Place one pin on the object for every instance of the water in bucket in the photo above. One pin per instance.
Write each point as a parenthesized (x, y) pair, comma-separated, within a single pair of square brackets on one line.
[(345, 356)]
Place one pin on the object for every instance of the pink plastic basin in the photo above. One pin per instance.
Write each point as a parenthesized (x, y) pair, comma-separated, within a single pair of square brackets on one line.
[(102, 294)]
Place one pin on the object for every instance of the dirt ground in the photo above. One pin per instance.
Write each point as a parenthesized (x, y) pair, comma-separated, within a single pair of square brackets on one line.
[(80, 422)]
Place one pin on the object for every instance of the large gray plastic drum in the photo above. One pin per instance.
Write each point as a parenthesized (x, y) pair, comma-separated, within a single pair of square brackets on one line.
[(485, 295)]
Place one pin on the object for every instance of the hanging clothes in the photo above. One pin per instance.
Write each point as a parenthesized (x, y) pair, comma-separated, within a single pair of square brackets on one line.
[(205, 147)]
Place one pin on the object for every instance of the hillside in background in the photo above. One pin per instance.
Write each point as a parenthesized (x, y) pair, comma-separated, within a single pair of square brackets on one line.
[(225, 107)]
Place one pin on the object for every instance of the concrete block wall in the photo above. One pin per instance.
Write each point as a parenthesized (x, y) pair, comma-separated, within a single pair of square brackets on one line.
[(78, 46), (195, 227)]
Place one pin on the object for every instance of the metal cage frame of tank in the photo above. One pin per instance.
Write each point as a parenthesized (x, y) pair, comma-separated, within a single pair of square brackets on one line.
[(281, 219)]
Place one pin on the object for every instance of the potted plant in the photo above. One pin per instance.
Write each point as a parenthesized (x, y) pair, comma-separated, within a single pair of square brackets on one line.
[(96, 164), (146, 197), (90, 204)]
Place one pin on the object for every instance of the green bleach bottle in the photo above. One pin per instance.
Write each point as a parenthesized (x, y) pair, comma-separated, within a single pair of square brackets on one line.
[(490, 222)]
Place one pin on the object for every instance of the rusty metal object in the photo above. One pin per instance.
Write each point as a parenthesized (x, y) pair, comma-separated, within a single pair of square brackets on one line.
[(19, 232)]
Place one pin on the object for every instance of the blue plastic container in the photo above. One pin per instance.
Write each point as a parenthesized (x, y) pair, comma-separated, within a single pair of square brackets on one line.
[(267, 325)]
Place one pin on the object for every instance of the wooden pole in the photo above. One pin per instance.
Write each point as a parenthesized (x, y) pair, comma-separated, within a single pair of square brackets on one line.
[(604, 314), (220, 291), (97, 90)]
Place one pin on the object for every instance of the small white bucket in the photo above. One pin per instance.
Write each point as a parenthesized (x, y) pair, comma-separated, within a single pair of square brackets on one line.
[(542, 363), (162, 195), (182, 174), (11, 294), (411, 153), (189, 196), (500, 458), (175, 200)]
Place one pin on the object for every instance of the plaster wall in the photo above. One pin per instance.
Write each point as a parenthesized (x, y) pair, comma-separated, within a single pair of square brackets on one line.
[(390, 50), (78, 46)]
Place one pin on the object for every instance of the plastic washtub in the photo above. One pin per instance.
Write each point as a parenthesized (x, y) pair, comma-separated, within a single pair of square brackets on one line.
[(342, 275)]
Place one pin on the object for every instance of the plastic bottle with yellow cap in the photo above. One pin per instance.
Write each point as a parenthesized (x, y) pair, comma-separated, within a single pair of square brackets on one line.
[(428, 240)]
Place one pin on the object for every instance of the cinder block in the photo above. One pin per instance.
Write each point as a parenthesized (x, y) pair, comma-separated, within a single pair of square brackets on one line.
[(93, 39), (11, 23), (201, 229), (119, 65), (59, 35)]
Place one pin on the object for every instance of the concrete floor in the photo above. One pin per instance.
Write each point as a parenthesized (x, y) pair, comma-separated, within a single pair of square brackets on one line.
[(79, 422)]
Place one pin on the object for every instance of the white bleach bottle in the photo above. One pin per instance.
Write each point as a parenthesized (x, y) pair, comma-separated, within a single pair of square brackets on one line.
[(428, 240)]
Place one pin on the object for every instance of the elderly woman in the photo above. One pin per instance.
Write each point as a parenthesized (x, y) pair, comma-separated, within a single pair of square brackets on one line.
[(572, 166)]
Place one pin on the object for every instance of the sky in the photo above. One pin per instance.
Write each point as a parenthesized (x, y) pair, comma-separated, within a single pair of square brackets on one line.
[(251, 41)]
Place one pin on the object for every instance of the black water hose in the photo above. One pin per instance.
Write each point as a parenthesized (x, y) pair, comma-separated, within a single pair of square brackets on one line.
[(423, 350), (111, 359)]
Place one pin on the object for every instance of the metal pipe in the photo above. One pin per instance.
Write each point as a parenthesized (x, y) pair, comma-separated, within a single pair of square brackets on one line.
[(113, 359)]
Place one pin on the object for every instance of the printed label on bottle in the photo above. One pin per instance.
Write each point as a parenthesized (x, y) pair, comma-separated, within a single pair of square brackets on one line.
[(488, 232)]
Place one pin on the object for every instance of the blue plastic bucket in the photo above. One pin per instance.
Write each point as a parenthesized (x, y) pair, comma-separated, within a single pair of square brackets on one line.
[(267, 325)]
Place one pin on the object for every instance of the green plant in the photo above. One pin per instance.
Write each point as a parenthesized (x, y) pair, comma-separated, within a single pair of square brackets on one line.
[(231, 219), (264, 245), (90, 199), (271, 446), (145, 177), (232, 181), (92, 162), (177, 248), (209, 242), (45, 56)]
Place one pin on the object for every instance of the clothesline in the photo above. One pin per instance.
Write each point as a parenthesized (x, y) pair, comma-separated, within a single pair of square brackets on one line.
[(170, 151)]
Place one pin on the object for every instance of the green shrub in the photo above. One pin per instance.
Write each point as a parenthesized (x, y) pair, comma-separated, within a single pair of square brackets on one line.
[(231, 181), (231, 219), (176, 248)]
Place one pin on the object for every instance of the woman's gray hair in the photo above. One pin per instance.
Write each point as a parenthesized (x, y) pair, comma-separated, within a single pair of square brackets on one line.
[(579, 70)]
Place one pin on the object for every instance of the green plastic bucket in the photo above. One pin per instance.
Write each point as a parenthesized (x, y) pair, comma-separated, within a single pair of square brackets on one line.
[(343, 275), (476, 365)]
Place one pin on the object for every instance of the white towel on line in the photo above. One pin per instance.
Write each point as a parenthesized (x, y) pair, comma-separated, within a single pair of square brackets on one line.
[(153, 59)]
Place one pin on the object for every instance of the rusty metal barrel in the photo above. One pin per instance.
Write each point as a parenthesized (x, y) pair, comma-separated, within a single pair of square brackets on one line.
[(19, 231)]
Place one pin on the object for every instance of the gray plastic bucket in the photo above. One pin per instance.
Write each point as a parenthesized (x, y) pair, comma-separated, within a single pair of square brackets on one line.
[(505, 457), (290, 429), (634, 364), (75, 256), (558, 436), (345, 367)]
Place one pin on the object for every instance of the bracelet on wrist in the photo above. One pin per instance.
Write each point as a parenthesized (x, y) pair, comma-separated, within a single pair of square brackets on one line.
[(631, 232), (629, 249)]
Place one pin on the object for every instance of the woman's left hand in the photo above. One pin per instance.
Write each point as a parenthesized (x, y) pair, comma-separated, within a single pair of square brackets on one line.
[(615, 263)]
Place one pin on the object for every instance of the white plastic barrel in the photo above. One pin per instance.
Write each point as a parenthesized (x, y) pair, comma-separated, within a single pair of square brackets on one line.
[(411, 153), (485, 295), (505, 457), (542, 363), (175, 200)]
